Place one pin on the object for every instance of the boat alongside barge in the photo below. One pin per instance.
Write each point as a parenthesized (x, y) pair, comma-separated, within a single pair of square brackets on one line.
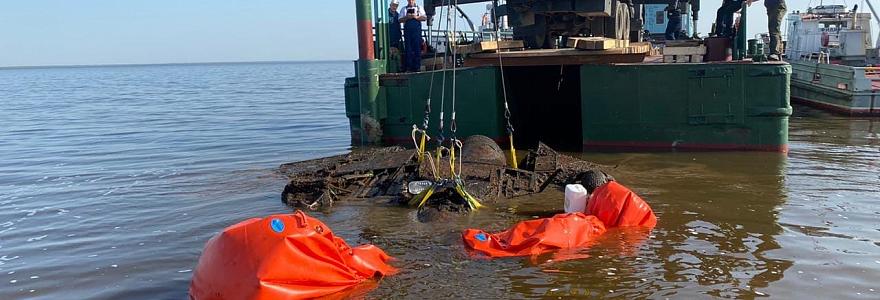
[(834, 60)]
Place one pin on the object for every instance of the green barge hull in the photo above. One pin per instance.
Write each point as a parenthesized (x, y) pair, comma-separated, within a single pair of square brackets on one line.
[(696, 106)]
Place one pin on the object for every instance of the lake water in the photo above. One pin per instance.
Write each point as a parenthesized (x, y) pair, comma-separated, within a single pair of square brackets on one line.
[(113, 178)]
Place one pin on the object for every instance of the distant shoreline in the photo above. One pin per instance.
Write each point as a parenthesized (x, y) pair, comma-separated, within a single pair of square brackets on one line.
[(176, 64)]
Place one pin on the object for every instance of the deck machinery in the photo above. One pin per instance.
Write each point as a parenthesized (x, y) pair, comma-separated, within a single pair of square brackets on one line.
[(541, 22)]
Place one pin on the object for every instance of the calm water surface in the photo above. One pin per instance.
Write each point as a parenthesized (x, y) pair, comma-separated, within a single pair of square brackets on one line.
[(113, 178)]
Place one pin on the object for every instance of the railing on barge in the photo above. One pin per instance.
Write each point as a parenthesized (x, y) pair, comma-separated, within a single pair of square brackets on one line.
[(438, 39)]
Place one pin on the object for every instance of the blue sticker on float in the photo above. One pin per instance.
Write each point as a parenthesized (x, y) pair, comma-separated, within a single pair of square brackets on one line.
[(277, 225), (481, 237)]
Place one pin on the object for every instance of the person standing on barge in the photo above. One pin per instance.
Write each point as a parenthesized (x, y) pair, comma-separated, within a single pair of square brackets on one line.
[(775, 13), (412, 17)]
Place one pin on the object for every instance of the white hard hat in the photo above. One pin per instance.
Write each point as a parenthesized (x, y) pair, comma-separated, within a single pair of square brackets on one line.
[(394, 2)]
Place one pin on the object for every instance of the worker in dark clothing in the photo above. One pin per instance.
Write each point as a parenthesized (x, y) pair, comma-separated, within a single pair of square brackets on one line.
[(394, 33), (412, 16), (673, 25), (775, 13), (395, 38), (724, 18)]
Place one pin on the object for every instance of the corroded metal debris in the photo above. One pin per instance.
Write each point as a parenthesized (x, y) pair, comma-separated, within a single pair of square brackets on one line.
[(383, 174)]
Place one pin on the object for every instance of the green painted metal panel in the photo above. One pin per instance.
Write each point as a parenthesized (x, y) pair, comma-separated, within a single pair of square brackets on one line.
[(808, 90), (353, 108), (363, 10), (615, 111), (710, 106), (368, 72), (657, 81), (478, 103), (767, 102), (352, 98), (714, 95)]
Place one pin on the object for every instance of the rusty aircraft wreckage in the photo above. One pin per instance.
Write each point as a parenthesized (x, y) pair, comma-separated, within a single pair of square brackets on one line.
[(397, 176)]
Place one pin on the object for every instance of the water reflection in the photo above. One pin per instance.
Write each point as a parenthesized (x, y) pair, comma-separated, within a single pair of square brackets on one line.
[(718, 217), (115, 195), (830, 221)]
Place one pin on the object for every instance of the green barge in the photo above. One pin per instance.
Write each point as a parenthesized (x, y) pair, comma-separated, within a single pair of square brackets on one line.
[(634, 102)]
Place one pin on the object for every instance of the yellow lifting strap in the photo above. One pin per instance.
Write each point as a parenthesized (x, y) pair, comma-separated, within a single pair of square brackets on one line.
[(421, 144), (452, 159), (472, 201), (422, 197), (513, 161), (437, 161)]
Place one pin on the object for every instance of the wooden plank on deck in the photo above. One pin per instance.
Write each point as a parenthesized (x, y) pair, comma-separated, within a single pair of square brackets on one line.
[(698, 50), (490, 46), (683, 43), (595, 43), (568, 56)]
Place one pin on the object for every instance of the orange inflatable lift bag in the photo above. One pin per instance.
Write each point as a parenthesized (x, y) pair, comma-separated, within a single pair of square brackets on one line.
[(615, 205), (532, 237), (290, 256)]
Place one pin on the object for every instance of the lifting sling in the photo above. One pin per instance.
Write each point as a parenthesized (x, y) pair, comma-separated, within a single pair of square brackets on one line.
[(455, 145)]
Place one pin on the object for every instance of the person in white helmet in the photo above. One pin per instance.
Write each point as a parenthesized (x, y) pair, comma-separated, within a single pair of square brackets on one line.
[(412, 15), (394, 30)]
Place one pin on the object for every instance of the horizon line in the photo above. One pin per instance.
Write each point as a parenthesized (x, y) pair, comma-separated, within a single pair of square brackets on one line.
[(170, 64)]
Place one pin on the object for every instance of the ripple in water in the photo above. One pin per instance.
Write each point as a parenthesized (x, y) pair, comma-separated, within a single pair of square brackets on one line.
[(113, 178)]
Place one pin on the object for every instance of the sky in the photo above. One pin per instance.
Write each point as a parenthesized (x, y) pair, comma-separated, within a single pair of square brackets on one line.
[(89, 32)]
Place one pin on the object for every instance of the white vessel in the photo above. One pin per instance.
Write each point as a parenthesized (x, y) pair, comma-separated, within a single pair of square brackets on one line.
[(833, 60)]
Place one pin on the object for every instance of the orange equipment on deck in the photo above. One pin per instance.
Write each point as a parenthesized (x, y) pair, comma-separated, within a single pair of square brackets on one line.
[(288, 256), (610, 205)]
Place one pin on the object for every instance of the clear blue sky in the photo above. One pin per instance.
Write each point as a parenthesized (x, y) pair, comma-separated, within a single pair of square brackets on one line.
[(61, 32), (75, 32)]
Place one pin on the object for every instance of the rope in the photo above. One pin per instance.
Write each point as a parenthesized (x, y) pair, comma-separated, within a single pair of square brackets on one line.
[(421, 145), (472, 202), (425, 121), (431, 86), (455, 144), (453, 127), (441, 130), (439, 155), (513, 161), (441, 137)]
